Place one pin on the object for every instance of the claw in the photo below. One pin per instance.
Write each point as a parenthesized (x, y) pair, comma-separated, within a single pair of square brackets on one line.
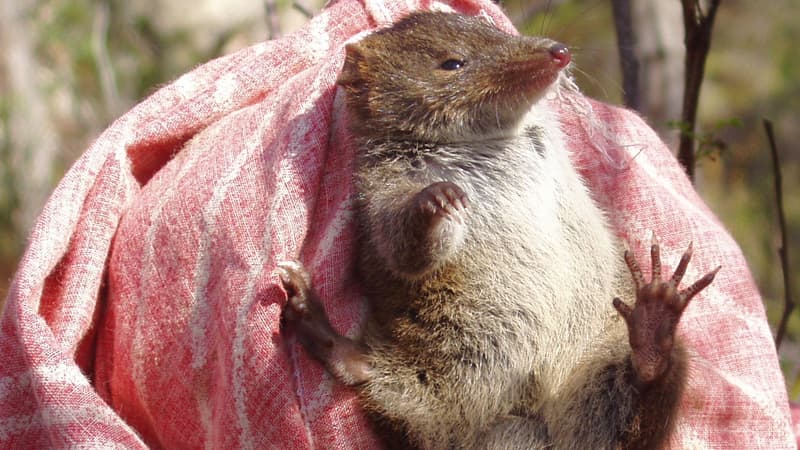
[(633, 267), (623, 309), (291, 271), (444, 199), (655, 257), (687, 294), (296, 281), (681, 269)]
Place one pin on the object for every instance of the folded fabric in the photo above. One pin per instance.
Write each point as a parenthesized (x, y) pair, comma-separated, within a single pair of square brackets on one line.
[(145, 312)]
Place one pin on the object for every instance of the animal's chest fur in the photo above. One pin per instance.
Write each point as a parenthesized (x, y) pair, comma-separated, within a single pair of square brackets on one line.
[(532, 282)]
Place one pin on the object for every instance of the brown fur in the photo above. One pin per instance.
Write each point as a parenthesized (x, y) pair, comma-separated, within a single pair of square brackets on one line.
[(488, 267)]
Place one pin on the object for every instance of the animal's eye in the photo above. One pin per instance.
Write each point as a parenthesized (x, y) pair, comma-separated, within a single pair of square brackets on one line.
[(452, 64)]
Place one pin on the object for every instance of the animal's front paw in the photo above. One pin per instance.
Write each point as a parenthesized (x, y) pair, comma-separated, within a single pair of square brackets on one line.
[(305, 316), (443, 201), (303, 313), (656, 313), (296, 281), (441, 209)]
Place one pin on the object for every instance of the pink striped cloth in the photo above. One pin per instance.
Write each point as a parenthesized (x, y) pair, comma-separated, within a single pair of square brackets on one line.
[(145, 313)]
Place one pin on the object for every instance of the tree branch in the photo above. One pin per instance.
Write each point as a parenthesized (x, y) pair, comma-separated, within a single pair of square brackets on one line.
[(302, 9), (783, 250), (697, 38), (273, 21), (105, 69), (628, 60), (32, 136)]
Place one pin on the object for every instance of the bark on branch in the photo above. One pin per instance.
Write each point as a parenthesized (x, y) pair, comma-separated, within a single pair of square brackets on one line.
[(629, 60), (783, 250), (697, 26)]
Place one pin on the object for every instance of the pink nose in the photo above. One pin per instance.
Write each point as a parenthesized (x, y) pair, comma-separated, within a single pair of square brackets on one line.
[(560, 54)]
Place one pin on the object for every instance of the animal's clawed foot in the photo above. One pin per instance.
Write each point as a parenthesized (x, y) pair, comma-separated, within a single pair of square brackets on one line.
[(432, 230), (655, 315), (443, 201), (296, 281), (305, 315)]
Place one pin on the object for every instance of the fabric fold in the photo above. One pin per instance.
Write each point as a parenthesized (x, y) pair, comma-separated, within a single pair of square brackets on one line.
[(145, 313)]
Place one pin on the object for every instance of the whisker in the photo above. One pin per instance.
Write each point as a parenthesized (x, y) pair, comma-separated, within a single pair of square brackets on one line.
[(546, 20), (595, 81)]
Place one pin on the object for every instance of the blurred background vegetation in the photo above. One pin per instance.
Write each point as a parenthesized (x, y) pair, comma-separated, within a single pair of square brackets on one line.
[(68, 68)]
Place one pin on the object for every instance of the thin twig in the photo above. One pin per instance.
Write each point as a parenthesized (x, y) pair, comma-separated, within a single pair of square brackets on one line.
[(273, 21), (105, 69), (628, 60), (302, 9), (697, 28), (783, 250)]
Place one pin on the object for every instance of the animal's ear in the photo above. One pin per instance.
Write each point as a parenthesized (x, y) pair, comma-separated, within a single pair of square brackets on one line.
[(353, 64)]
